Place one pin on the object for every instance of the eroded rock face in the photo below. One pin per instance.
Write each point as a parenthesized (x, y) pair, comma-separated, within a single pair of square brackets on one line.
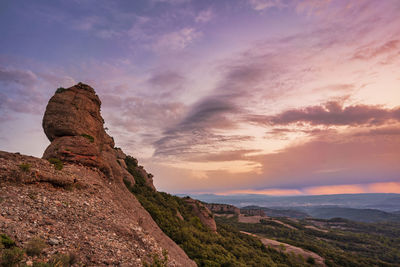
[(74, 112), (73, 124), (83, 205), (75, 127), (223, 208), (205, 215)]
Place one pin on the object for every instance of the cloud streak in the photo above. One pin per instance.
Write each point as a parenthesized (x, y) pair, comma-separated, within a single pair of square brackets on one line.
[(331, 114)]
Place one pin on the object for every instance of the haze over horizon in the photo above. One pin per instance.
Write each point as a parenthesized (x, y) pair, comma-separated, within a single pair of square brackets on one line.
[(279, 97)]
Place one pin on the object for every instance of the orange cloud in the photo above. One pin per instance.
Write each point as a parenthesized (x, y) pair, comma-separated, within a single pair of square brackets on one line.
[(335, 189), (388, 187), (392, 187), (272, 192)]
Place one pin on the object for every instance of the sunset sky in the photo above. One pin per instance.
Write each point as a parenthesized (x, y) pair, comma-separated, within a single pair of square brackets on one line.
[(281, 97)]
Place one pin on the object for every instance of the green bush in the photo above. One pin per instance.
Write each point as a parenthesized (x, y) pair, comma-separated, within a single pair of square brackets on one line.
[(131, 161), (35, 247), (60, 90), (62, 260), (25, 167), (157, 261), (58, 165), (311, 260), (89, 137), (134, 169), (6, 241), (11, 257)]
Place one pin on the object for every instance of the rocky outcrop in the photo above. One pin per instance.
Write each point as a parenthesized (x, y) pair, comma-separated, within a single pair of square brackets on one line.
[(73, 124), (75, 127), (75, 198), (222, 208), (205, 215)]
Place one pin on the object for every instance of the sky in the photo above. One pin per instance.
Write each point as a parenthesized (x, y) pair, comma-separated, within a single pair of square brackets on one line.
[(279, 97)]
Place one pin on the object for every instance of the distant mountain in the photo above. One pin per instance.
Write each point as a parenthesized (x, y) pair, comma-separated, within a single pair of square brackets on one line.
[(291, 213), (384, 202), (361, 215)]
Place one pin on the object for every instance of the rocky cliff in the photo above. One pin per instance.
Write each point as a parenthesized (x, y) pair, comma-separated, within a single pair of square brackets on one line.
[(222, 208), (75, 199), (205, 215)]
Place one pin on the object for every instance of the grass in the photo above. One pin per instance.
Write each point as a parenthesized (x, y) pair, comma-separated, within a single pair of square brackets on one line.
[(25, 167), (12, 257), (35, 247), (89, 137), (6, 241), (58, 165), (157, 261)]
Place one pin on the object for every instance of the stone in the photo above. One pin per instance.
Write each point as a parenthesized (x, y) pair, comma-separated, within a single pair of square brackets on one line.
[(54, 241)]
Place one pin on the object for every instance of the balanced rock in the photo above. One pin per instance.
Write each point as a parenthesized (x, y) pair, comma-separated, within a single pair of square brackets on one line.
[(73, 123)]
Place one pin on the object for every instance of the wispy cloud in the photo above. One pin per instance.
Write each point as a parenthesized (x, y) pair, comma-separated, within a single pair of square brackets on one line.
[(260, 5), (331, 113), (205, 16), (369, 51), (176, 40), (22, 77)]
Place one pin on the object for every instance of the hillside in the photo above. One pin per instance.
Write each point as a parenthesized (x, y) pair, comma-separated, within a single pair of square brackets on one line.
[(338, 242), (74, 200), (87, 203)]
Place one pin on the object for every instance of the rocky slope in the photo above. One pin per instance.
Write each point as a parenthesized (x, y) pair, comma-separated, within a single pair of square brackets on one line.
[(75, 198)]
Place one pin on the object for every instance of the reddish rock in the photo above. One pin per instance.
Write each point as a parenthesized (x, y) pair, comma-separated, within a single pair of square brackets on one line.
[(222, 208), (75, 127), (205, 215), (78, 210), (83, 206), (73, 112)]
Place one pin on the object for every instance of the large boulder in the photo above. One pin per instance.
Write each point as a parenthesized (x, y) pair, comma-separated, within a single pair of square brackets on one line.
[(75, 127), (75, 112)]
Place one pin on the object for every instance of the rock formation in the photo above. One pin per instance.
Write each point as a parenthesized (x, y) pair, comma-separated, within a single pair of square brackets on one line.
[(75, 198), (222, 208), (205, 215), (75, 128)]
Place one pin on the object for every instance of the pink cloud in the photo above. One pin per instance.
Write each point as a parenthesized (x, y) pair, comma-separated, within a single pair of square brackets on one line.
[(368, 52), (331, 113)]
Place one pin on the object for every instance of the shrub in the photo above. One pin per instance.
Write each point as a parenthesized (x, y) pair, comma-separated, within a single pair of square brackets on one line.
[(25, 167), (127, 183), (131, 161), (311, 260), (6, 241), (89, 137), (60, 90), (11, 257), (62, 260), (35, 247), (133, 168), (58, 165), (157, 261), (40, 264)]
